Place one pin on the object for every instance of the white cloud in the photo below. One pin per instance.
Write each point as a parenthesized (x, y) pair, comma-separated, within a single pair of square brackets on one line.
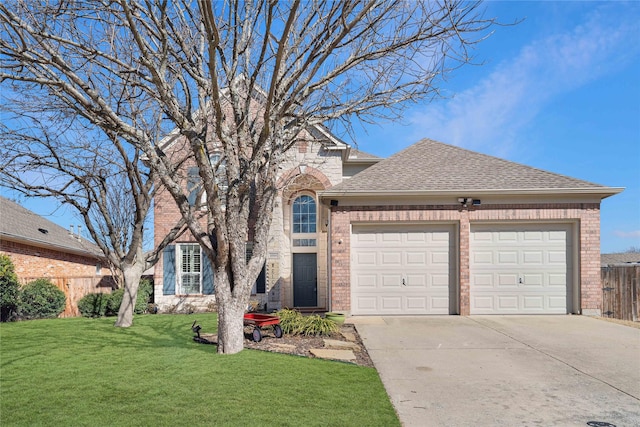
[(492, 113), (635, 234)]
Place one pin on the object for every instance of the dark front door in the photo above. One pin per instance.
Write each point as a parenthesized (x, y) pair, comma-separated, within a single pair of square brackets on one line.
[(305, 280)]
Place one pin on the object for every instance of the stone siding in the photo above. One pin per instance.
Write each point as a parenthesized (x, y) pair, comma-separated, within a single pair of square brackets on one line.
[(308, 168)]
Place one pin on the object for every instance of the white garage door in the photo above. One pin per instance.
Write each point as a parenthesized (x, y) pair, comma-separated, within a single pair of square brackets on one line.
[(520, 269), (402, 269)]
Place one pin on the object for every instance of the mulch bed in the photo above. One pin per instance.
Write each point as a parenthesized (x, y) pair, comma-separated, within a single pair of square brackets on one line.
[(301, 345)]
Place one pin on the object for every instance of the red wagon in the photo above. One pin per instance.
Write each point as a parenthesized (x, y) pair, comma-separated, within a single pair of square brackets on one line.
[(259, 320)]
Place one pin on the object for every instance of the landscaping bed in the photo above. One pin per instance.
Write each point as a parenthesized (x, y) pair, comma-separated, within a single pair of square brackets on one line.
[(300, 345)]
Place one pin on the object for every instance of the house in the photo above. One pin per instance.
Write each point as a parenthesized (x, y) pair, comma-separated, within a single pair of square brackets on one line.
[(296, 272), (620, 259), (434, 229), (40, 248)]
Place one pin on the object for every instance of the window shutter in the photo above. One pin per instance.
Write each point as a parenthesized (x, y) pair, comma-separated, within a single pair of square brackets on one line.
[(207, 275), (262, 280), (193, 185), (169, 270)]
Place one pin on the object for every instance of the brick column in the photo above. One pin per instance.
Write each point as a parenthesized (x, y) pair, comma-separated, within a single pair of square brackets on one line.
[(340, 260), (590, 286), (465, 281)]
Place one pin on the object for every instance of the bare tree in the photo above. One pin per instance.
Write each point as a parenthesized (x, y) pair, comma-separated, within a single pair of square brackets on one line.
[(244, 78), (103, 179)]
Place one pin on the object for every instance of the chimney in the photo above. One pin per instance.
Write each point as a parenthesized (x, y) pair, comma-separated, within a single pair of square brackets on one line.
[(79, 237), (71, 230)]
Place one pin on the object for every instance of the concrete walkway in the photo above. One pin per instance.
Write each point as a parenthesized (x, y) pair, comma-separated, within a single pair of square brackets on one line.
[(506, 370)]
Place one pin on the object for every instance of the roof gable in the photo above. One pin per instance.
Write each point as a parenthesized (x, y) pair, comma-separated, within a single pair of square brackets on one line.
[(433, 167), (22, 225)]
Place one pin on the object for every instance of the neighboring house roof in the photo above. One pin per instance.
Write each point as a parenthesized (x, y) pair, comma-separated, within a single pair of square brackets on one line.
[(625, 258), (430, 167), (21, 225)]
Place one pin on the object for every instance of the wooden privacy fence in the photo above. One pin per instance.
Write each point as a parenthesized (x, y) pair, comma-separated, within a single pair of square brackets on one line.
[(620, 289), (75, 288)]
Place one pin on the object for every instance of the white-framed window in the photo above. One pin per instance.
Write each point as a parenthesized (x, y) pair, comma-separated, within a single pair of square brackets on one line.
[(221, 171), (304, 220), (189, 268), (194, 182)]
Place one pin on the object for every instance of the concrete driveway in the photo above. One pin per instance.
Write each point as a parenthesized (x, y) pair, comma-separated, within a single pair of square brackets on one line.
[(506, 370)]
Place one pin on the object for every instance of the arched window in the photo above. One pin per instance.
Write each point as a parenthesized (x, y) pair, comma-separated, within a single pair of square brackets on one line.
[(303, 221)]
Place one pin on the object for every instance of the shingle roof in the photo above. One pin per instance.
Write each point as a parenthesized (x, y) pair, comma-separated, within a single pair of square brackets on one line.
[(430, 167), (624, 258), (20, 224), (355, 154)]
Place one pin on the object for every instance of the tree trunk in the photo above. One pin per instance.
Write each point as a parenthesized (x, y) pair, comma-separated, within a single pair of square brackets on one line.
[(131, 276), (230, 318)]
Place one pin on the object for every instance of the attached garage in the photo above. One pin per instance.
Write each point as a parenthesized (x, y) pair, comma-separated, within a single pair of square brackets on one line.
[(403, 269), (521, 269), (437, 229)]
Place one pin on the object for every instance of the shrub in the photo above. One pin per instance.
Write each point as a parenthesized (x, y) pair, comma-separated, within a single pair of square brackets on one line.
[(294, 323), (316, 325), (115, 300), (41, 299), (289, 320), (145, 290), (9, 289), (94, 305)]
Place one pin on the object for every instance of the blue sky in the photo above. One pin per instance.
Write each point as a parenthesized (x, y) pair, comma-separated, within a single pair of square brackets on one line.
[(559, 91)]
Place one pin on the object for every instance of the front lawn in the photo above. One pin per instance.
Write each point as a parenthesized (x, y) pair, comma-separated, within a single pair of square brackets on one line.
[(78, 372)]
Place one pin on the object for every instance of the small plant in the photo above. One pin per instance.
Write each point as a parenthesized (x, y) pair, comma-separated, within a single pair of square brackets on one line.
[(94, 305), (254, 305), (9, 289), (41, 299), (189, 309)]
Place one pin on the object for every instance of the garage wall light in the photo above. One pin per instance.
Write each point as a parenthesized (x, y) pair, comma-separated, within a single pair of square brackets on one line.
[(466, 201)]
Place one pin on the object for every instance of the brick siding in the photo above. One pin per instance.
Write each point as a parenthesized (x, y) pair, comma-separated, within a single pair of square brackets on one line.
[(32, 261), (585, 215)]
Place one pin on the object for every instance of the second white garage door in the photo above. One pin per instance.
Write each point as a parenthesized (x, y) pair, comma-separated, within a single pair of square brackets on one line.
[(402, 269), (521, 269)]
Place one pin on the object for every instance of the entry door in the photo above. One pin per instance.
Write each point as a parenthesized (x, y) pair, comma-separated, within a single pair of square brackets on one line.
[(305, 280)]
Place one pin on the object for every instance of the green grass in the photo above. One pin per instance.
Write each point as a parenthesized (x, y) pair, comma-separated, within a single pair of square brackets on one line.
[(77, 372)]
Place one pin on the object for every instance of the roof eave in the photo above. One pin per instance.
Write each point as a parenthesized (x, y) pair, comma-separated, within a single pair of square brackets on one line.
[(353, 161), (47, 245), (603, 192)]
